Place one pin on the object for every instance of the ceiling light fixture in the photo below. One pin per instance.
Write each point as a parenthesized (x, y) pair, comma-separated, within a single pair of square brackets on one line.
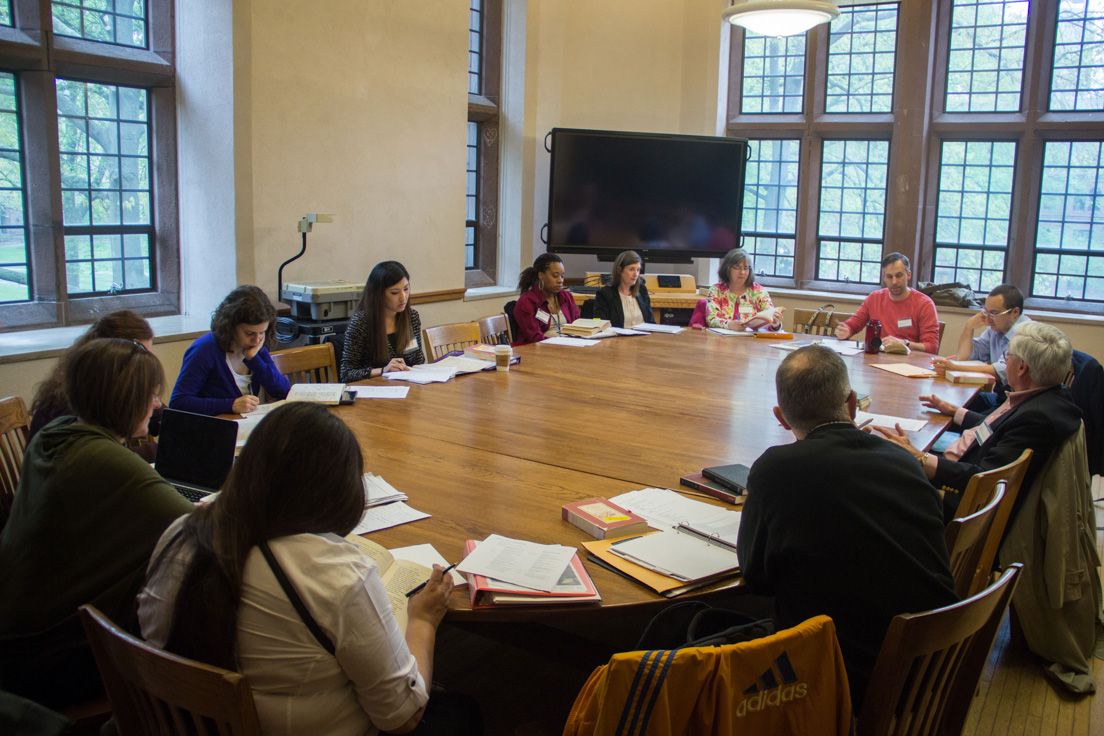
[(780, 17)]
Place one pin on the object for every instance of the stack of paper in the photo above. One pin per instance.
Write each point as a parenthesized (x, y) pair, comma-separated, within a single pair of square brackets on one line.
[(728, 333), (377, 491), (650, 327), (463, 364), (685, 557), (432, 373), (387, 516), (575, 342)]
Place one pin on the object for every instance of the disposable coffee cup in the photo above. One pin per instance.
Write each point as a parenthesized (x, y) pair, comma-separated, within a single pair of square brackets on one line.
[(503, 353)]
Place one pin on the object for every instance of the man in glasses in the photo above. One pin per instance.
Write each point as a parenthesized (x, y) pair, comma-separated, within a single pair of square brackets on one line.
[(1001, 318)]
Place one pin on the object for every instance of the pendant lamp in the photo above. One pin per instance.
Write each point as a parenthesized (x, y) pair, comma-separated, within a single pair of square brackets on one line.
[(780, 17)]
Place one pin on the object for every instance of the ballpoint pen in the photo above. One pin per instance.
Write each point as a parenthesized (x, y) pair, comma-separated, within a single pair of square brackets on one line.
[(868, 421), (418, 587)]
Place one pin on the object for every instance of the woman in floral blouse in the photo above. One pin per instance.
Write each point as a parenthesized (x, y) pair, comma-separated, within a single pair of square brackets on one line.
[(736, 299)]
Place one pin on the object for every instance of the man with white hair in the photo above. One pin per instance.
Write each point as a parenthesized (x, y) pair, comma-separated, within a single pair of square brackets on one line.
[(1037, 414)]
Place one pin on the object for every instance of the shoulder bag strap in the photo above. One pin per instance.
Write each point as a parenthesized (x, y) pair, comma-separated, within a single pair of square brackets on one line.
[(296, 601)]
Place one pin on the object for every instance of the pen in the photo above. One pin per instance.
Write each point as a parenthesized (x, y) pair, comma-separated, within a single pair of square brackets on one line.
[(868, 421), (418, 587)]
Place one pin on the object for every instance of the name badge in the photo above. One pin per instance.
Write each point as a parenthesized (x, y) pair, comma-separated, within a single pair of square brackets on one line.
[(983, 433), (543, 316), (746, 310), (412, 346), (907, 322)]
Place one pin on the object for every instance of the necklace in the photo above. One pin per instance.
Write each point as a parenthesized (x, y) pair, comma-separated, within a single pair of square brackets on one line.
[(837, 421)]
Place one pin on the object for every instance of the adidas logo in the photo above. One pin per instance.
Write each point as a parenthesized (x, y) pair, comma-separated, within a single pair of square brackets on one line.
[(776, 686)]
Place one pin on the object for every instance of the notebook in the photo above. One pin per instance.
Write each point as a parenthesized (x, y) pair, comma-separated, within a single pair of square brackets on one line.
[(195, 452)]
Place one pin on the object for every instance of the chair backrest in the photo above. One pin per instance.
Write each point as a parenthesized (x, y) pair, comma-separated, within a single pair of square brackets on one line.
[(942, 327), (308, 364), (508, 310), (979, 492), (155, 692), (930, 663), (698, 318), (494, 330), (15, 424), (821, 321), (441, 339), (966, 537), (1086, 386), (586, 311)]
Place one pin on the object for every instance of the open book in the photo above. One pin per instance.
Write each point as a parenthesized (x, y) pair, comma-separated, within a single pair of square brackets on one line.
[(321, 393), (399, 576)]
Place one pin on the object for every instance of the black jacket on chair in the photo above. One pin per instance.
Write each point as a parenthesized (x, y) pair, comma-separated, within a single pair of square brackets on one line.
[(1087, 392), (607, 304)]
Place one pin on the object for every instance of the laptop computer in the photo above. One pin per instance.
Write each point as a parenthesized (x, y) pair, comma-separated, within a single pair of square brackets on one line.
[(195, 452)]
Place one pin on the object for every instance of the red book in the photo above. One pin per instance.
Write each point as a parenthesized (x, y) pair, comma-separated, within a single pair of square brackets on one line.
[(574, 587), (602, 519)]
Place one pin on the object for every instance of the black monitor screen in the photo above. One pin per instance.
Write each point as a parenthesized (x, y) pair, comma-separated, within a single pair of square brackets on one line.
[(664, 196)]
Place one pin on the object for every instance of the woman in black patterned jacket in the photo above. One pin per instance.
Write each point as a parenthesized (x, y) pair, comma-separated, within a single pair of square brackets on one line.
[(384, 334)]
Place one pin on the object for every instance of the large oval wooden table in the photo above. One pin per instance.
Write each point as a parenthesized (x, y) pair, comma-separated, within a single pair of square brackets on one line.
[(501, 452)]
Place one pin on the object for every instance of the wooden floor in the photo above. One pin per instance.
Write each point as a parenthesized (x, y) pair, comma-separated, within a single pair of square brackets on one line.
[(1014, 698)]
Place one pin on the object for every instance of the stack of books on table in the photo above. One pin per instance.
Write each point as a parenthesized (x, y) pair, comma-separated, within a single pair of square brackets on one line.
[(696, 546), (726, 482), (586, 327), (528, 574)]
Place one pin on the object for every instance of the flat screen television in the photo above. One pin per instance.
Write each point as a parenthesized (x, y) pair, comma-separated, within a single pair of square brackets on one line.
[(670, 198)]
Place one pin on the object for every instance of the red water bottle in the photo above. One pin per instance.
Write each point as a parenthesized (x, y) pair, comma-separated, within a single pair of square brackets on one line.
[(873, 336)]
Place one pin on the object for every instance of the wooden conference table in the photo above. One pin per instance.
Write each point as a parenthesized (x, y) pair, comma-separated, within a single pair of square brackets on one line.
[(501, 452)]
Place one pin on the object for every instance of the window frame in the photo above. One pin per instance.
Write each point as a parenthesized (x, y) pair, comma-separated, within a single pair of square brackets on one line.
[(38, 58), (485, 109), (918, 115)]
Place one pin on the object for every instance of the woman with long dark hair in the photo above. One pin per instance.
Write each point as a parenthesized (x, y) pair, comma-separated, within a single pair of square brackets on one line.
[(86, 516), (385, 333), (543, 307), (224, 371), (214, 591), (624, 301)]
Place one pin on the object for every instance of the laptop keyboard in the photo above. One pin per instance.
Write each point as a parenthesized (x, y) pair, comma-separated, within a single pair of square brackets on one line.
[(192, 494)]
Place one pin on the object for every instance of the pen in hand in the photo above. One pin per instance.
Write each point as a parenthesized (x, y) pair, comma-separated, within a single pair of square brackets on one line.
[(868, 421), (418, 587)]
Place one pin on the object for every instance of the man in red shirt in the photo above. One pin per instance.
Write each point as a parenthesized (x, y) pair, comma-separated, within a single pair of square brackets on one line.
[(907, 316)]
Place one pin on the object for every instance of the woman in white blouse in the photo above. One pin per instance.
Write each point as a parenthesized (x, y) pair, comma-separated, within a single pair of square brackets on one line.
[(624, 302), (214, 592)]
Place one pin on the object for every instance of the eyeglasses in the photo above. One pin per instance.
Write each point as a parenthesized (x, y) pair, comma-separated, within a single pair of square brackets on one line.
[(741, 269), (993, 315), (1007, 354)]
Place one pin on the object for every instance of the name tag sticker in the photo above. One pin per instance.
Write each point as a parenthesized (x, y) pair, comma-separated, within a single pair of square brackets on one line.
[(543, 316), (907, 322), (983, 433), (746, 310)]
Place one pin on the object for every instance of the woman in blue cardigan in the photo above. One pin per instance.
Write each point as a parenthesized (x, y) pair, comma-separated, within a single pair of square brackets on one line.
[(225, 370)]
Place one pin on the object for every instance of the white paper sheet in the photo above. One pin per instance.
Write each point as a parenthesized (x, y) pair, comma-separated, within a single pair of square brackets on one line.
[(729, 333), (664, 509), (380, 392), (626, 332), (680, 555), (528, 564), (649, 327), (323, 393), (423, 374), (427, 554), (574, 342), (385, 517), (885, 420)]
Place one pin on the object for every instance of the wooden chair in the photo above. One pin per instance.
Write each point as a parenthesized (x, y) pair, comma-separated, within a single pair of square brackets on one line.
[(155, 692), (15, 424), (930, 663), (966, 537), (441, 339), (942, 327), (308, 364), (821, 321), (494, 330), (979, 492)]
